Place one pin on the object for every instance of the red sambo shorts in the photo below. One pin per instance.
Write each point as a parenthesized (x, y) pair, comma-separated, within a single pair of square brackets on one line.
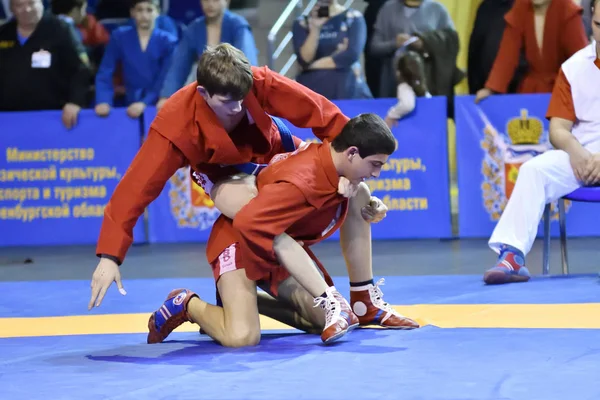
[(230, 259)]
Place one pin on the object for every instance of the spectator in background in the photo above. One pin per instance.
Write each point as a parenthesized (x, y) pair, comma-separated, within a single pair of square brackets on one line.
[(217, 25), (412, 84), (72, 12), (42, 67), (145, 53), (549, 31), (119, 9), (91, 34), (485, 42), (328, 44), (5, 13), (372, 65), (397, 22), (94, 37)]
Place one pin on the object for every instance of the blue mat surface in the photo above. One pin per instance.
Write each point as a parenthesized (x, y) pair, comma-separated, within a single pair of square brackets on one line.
[(427, 364), (56, 298)]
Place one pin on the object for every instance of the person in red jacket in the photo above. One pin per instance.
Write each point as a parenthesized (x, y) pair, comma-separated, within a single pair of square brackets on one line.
[(548, 32), (298, 194), (220, 127)]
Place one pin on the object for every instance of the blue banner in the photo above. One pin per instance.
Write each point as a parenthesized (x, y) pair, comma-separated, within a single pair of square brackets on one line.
[(493, 139), (54, 182), (182, 212), (414, 183)]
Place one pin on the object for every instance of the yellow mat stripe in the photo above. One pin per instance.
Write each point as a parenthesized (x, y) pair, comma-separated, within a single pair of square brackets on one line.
[(549, 316)]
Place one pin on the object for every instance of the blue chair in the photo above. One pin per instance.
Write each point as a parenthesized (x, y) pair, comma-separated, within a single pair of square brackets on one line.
[(584, 194)]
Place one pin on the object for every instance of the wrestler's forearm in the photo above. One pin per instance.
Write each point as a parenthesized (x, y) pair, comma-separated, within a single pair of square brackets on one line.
[(299, 264), (156, 161)]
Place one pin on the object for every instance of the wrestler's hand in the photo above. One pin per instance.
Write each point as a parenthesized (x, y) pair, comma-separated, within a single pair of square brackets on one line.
[(347, 188), (106, 273), (375, 211)]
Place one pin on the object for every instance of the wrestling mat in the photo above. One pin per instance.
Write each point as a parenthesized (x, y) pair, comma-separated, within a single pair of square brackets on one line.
[(537, 340)]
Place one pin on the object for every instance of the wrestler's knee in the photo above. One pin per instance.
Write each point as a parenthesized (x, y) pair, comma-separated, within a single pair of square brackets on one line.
[(361, 199), (242, 337)]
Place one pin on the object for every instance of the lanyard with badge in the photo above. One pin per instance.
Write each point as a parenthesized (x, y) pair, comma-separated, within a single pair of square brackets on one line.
[(41, 59)]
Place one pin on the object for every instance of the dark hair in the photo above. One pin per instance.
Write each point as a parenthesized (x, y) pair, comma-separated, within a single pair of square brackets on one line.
[(65, 6), (225, 70), (133, 3), (369, 133), (412, 71)]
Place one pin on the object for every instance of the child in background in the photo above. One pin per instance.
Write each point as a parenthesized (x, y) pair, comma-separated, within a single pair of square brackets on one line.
[(145, 53), (410, 73)]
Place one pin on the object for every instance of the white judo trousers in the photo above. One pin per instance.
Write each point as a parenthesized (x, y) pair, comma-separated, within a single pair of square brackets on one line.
[(541, 180)]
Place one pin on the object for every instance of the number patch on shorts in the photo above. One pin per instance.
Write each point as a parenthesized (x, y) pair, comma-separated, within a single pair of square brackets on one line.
[(227, 260)]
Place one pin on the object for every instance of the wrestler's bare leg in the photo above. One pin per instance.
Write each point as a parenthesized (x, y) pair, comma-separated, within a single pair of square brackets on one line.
[(235, 324), (355, 238), (293, 294), (285, 312), (232, 194), (366, 297)]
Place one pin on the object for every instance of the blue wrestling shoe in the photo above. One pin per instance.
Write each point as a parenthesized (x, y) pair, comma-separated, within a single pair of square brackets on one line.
[(170, 315), (509, 268)]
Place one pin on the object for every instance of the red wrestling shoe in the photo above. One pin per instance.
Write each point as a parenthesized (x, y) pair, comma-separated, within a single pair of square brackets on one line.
[(336, 316), (368, 305), (170, 315)]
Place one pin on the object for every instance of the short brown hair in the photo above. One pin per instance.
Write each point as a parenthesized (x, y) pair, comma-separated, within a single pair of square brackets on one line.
[(225, 70)]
